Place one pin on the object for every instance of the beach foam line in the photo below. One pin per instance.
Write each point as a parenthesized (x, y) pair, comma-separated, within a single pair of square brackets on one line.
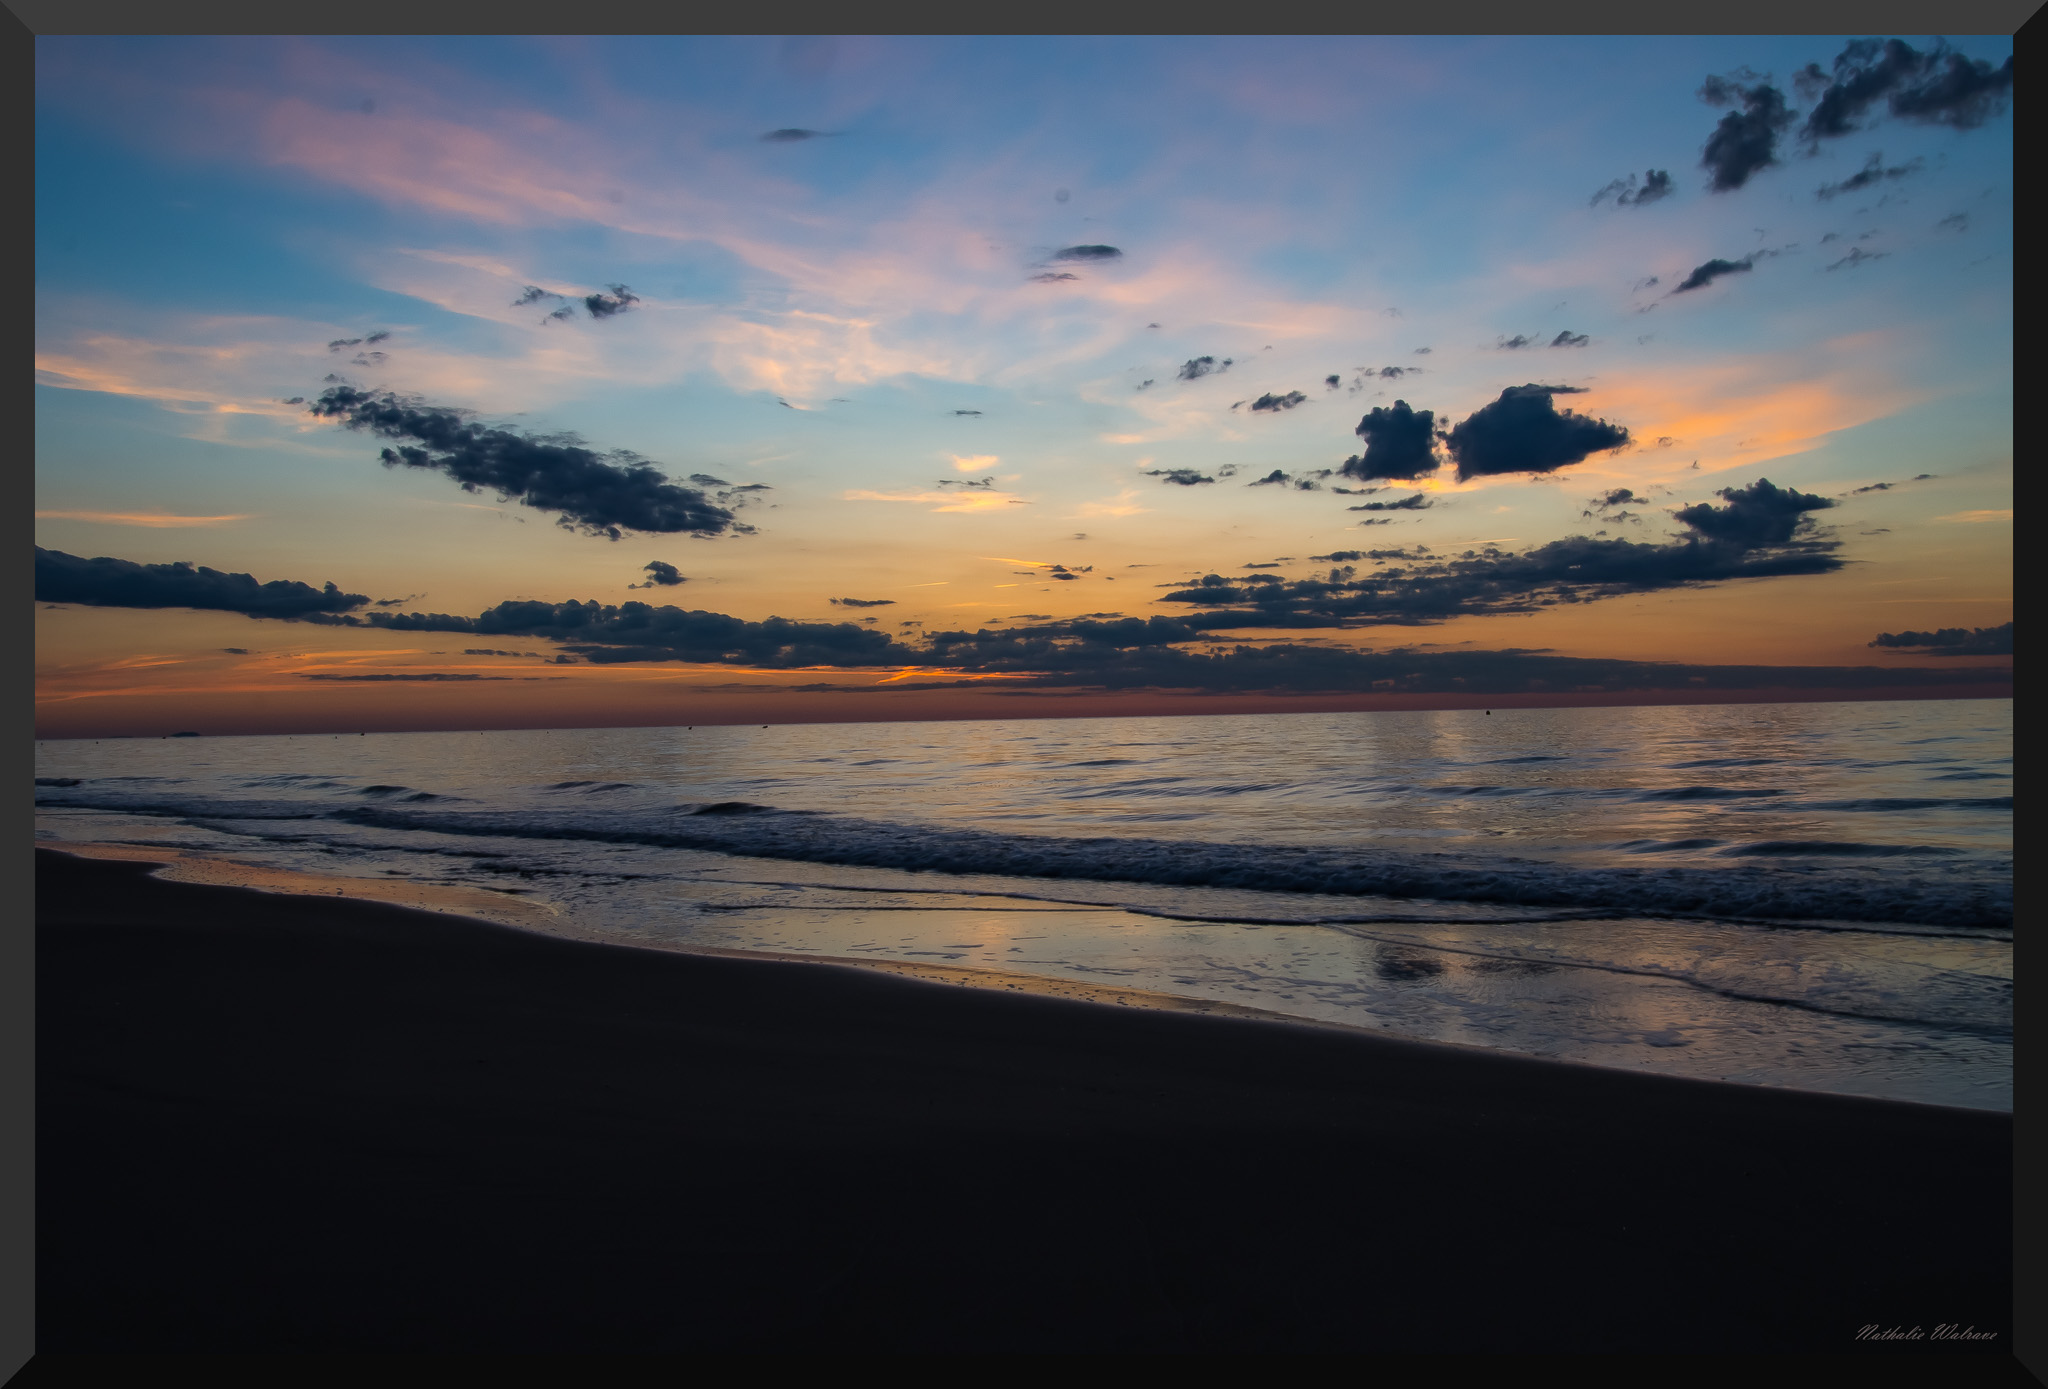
[(180, 865)]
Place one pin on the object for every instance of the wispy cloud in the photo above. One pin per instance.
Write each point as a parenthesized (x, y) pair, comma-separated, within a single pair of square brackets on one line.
[(142, 518)]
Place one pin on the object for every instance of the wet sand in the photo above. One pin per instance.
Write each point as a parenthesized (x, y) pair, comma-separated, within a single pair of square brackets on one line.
[(295, 1124)]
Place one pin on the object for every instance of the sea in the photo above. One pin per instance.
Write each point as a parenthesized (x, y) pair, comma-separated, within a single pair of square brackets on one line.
[(1815, 895)]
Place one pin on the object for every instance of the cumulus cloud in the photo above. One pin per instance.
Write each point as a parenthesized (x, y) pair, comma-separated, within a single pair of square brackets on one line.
[(118, 583), (598, 494), (1333, 382), (660, 574), (1524, 432), (1704, 275), (1197, 367), (1755, 517), (608, 305), (1872, 174), (1938, 87), (1746, 140), (1276, 478), (1180, 477), (1952, 641), (1400, 444), (1570, 339), (1518, 340), (1655, 184), (1277, 403)]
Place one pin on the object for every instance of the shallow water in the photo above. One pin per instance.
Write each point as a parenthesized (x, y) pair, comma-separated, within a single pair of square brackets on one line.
[(1813, 895)]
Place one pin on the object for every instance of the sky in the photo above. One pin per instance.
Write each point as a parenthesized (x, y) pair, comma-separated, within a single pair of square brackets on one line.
[(901, 377)]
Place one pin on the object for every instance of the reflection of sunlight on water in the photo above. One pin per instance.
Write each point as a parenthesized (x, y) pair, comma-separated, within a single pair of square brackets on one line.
[(1638, 788)]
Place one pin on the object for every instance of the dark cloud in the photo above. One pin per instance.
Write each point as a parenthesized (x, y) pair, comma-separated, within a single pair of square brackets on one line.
[(609, 305), (967, 412), (790, 135), (1518, 340), (1704, 275), (1570, 339), (599, 494), (379, 336), (1086, 253), (490, 651), (606, 633), (1745, 140), (1333, 382), (533, 294), (1276, 478), (660, 574), (1655, 184), (1960, 92), (236, 650), (1419, 502), (1756, 517), (1952, 641), (398, 602), (1051, 277), (1955, 221), (1524, 432), (986, 483), (1619, 496), (1277, 403), (1180, 477), (1197, 367), (1132, 653), (1870, 175), (864, 602), (1400, 444), (1857, 255), (1761, 531), (1939, 87), (118, 583)]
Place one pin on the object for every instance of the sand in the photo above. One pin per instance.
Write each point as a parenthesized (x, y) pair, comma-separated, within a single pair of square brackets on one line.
[(291, 1124)]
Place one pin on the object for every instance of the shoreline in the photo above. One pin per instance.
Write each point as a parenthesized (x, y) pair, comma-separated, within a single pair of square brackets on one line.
[(515, 912), (284, 1124)]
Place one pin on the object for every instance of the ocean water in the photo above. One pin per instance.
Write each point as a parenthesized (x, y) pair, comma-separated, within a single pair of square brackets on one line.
[(1808, 895)]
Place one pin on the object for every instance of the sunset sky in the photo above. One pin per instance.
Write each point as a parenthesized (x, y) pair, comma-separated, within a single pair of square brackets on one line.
[(910, 338)]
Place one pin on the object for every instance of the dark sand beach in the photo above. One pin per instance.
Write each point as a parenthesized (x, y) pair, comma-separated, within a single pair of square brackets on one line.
[(289, 1125)]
